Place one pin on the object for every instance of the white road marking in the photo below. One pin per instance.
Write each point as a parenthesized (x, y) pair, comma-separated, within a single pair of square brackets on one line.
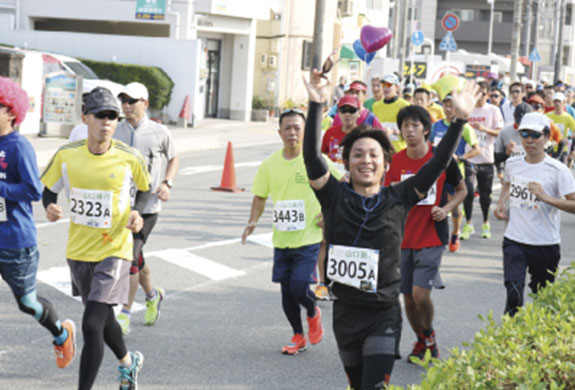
[(262, 239), (212, 168), (59, 278), (197, 264), (47, 224)]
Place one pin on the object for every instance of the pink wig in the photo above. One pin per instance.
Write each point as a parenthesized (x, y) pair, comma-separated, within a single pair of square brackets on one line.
[(14, 97)]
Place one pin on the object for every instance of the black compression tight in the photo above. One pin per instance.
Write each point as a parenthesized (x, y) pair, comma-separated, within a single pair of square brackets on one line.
[(99, 325), (295, 293), (373, 374)]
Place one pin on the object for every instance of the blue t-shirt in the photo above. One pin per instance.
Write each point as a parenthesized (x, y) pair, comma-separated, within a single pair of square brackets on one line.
[(438, 129), (19, 186), (570, 110)]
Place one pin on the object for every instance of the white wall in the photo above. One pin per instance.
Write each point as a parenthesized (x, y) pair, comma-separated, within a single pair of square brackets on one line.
[(178, 58), (242, 85)]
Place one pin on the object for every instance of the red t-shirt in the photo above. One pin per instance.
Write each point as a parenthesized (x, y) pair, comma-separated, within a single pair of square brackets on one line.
[(421, 231), (330, 143)]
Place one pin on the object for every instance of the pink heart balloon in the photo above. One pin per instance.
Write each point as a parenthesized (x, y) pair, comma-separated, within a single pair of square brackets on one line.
[(374, 38)]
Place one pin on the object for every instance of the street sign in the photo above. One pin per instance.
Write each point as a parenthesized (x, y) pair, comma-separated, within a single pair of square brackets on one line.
[(450, 22), (475, 71), (448, 43), (151, 9), (534, 56), (417, 38), (418, 70)]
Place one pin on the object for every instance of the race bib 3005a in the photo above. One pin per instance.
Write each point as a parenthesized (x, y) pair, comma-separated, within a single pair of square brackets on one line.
[(355, 267), (91, 208), (289, 215)]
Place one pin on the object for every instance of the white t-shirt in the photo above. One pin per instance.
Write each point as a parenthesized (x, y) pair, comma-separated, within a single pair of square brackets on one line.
[(533, 222), (79, 132), (508, 111), (490, 117)]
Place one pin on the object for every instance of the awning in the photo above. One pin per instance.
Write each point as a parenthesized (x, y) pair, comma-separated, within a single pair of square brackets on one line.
[(347, 52)]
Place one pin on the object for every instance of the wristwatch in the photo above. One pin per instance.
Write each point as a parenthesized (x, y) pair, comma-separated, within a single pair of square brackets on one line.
[(168, 183)]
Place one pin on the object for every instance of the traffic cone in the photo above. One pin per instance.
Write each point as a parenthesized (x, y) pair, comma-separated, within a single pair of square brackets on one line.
[(185, 113), (229, 175)]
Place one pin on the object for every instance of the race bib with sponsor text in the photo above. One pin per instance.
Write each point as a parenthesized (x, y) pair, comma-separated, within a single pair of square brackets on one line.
[(91, 208), (289, 215), (355, 267)]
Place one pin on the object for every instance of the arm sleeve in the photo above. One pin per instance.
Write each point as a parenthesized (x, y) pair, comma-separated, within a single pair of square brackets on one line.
[(49, 197), (314, 163), (429, 172), (453, 174)]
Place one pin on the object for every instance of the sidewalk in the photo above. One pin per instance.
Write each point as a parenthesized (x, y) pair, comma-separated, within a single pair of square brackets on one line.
[(207, 134)]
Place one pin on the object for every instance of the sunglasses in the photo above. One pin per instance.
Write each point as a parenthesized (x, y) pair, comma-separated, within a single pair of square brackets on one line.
[(528, 133), (291, 111), (515, 91), (347, 110), (129, 100), (385, 84), (112, 115), (537, 106), (495, 97)]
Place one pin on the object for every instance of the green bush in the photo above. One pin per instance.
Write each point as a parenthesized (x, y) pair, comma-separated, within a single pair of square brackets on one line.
[(159, 84), (534, 350)]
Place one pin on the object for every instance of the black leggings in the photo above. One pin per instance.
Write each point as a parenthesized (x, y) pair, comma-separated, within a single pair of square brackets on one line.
[(373, 374), (295, 293), (99, 325), (484, 175)]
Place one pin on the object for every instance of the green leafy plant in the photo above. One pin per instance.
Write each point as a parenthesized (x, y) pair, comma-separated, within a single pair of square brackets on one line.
[(259, 103), (534, 350), (157, 81)]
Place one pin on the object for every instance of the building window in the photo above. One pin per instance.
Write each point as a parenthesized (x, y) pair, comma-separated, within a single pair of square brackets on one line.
[(485, 16), (507, 16), (306, 55), (465, 15), (374, 5), (568, 15), (417, 13)]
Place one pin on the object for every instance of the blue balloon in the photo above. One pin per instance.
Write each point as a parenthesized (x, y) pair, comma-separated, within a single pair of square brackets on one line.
[(361, 53)]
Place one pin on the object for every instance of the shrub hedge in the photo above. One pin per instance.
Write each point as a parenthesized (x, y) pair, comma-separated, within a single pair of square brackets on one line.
[(534, 350), (159, 84)]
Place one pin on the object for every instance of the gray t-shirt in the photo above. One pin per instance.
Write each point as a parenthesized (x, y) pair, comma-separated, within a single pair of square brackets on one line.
[(506, 135), (152, 140)]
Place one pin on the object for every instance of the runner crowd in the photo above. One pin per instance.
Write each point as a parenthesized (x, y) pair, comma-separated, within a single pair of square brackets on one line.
[(362, 190)]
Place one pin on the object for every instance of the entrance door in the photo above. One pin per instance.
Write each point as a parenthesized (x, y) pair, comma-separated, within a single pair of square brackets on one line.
[(213, 79)]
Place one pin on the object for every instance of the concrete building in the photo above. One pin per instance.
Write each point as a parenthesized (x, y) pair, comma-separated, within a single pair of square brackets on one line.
[(207, 47)]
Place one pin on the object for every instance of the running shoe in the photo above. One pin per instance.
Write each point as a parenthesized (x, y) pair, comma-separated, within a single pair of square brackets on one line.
[(467, 231), (66, 352), (322, 292), (129, 376), (431, 345), (153, 307), (418, 351), (124, 321), (315, 330), (486, 230), (454, 244), (297, 344)]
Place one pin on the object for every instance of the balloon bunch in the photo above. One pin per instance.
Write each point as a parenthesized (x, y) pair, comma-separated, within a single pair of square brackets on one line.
[(371, 40)]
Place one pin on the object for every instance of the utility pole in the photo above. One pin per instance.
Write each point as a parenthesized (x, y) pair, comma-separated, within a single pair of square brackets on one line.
[(402, 37), (490, 41), (526, 38), (317, 45), (537, 8), (395, 42), (516, 38), (559, 55)]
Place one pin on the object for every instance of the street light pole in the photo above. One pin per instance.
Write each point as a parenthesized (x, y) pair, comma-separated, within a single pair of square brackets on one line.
[(317, 45), (489, 45)]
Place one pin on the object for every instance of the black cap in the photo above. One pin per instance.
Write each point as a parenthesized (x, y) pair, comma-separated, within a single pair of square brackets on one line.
[(100, 99), (520, 110)]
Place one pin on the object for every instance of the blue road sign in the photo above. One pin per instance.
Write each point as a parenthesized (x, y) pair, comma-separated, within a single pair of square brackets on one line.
[(534, 56), (448, 43), (417, 38)]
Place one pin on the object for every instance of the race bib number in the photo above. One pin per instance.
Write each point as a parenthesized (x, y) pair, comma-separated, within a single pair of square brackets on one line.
[(520, 196), (517, 151), (3, 214), (91, 208), (431, 197), (289, 215), (482, 138), (355, 267), (393, 126)]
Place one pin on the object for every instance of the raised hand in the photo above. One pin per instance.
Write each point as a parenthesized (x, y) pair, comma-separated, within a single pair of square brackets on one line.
[(464, 100)]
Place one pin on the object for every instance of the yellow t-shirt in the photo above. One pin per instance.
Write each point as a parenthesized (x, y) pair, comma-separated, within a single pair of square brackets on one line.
[(99, 190), (387, 115), (295, 204), (436, 112), (565, 123)]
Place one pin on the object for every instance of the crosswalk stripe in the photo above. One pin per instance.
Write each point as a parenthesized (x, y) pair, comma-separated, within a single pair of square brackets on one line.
[(197, 264), (210, 168)]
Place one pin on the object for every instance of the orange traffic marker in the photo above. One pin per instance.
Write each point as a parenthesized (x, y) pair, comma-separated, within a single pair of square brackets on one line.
[(229, 175)]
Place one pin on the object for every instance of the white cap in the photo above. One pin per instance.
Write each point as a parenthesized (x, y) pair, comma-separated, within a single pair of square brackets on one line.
[(559, 96), (391, 78), (534, 121), (135, 91)]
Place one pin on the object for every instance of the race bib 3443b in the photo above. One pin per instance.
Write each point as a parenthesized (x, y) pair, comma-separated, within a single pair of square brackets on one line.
[(289, 215)]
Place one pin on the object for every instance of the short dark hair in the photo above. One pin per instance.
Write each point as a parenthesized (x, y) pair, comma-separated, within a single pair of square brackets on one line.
[(291, 112), (415, 113), (516, 83), (483, 85), (422, 90), (365, 131)]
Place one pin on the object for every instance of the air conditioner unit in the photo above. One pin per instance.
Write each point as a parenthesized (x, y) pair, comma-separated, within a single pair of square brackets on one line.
[(273, 61), (346, 7)]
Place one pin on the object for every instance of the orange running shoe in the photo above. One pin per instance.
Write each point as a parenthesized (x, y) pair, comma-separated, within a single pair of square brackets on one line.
[(315, 330), (66, 352), (297, 344), (454, 244)]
